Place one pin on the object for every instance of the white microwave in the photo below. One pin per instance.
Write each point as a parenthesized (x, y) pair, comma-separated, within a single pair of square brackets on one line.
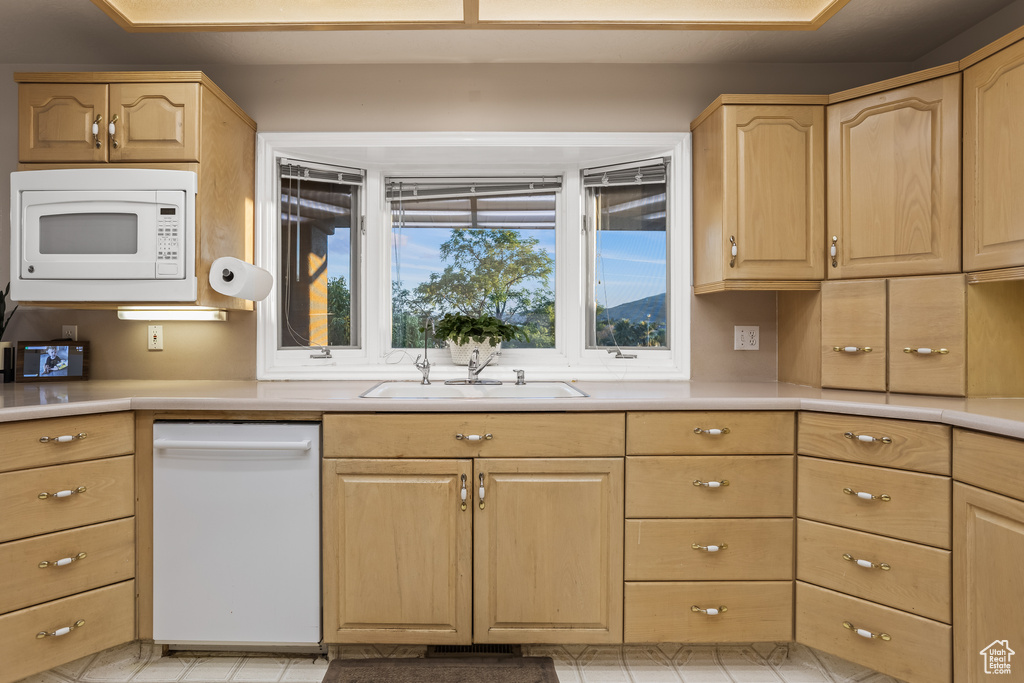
[(103, 235)]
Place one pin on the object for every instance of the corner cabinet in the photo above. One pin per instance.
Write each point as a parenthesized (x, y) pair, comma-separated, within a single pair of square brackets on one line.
[(894, 181), (994, 162), (759, 199), (499, 545), (988, 541)]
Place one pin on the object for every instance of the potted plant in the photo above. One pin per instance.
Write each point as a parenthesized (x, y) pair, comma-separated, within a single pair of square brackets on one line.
[(467, 332), (5, 319)]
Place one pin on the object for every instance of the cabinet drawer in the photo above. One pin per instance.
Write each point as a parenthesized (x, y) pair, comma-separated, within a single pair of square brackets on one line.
[(751, 549), (918, 509), (928, 313), (109, 616), (897, 443), (663, 612), (853, 317), (686, 433), (920, 650), (96, 436), (109, 557), (758, 486), (505, 435), (995, 463), (109, 494), (916, 578)]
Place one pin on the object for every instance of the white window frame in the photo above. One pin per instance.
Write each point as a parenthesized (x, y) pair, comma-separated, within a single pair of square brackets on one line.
[(466, 154)]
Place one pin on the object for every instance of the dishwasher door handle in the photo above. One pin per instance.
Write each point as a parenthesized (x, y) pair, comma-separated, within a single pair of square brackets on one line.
[(181, 445)]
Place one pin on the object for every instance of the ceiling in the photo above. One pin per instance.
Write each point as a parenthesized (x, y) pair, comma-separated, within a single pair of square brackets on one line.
[(72, 32)]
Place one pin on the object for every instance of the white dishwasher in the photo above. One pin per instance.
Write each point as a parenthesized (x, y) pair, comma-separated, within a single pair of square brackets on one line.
[(236, 534)]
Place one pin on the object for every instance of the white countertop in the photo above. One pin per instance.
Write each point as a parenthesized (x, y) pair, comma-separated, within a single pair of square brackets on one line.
[(32, 401)]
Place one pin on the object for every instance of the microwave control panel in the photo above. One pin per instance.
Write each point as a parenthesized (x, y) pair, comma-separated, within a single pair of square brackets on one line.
[(169, 246)]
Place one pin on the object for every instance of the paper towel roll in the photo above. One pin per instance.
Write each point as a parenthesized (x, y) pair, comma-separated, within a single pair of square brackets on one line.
[(234, 277)]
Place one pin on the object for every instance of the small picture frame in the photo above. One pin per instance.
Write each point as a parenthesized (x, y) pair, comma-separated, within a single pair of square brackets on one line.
[(52, 361)]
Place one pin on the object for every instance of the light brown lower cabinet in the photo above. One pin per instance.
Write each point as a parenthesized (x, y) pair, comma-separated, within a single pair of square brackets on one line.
[(536, 559), (708, 611), (906, 646), (48, 635), (988, 585)]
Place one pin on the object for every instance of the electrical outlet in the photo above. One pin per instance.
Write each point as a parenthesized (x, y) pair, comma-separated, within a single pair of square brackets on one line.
[(156, 337), (746, 338), (69, 332)]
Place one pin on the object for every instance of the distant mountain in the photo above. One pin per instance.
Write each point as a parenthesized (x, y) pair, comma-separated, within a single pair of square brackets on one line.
[(635, 311)]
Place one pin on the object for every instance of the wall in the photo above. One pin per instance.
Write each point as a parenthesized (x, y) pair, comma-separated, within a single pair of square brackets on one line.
[(496, 97)]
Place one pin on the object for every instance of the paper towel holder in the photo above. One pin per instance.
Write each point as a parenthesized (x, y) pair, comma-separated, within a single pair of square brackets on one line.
[(236, 278)]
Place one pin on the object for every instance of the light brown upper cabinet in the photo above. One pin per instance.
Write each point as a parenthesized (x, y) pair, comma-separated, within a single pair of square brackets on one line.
[(759, 200), (894, 181), (994, 161), (108, 122)]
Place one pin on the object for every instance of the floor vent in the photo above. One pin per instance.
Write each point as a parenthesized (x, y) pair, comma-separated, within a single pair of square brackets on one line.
[(474, 651)]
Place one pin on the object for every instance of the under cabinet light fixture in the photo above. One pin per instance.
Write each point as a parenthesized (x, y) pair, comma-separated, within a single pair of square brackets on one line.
[(171, 313)]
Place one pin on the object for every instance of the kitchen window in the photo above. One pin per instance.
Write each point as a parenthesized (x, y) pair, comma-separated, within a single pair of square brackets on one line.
[(474, 246), (550, 231), (318, 271)]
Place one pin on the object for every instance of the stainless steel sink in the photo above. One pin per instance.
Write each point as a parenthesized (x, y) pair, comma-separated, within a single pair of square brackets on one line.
[(440, 390)]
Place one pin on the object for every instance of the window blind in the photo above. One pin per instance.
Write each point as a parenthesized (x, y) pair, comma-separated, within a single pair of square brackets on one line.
[(441, 188), (304, 170), (648, 172)]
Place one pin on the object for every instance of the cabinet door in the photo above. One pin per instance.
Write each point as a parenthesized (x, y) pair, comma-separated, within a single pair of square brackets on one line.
[(155, 121), (548, 551), (988, 584), (396, 551), (55, 122), (775, 196), (994, 161), (894, 181), (928, 335), (853, 335)]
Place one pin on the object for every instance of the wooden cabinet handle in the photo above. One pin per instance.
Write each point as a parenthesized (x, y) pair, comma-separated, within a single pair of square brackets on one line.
[(61, 494), (710, 611), (711, 484), (474, 437), (733, 251), (867, 438), (63, 562), (834, 252), (66, 438), (852, 349), (866, 634), (464, 493), (61, 631), (867, 564), (96, 130), (711, 432), (885, 497), (709, 548), (925, 351)]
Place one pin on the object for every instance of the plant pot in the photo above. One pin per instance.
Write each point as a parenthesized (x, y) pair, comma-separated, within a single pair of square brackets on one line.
[(462, 352)]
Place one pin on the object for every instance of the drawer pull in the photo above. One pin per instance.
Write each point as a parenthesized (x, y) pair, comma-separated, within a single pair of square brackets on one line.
[(867, 438), (852, 349), (711, 432), (62, 562), (866, 634), (61, 494), (710, 611), (709, 548), (866, 563), (66, 438), (61, 631), (474, 437), (711, 484), (885, 497), (925, 351), (464, 493)]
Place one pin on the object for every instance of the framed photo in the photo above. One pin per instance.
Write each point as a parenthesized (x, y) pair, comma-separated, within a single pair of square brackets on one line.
[(52, 361)]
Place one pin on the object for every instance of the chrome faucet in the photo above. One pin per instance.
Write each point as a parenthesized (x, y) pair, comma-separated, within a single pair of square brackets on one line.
[(476, 367), (424, 366)]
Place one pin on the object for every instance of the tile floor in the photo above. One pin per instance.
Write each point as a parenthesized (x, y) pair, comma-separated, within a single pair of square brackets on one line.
[(661, 663)]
